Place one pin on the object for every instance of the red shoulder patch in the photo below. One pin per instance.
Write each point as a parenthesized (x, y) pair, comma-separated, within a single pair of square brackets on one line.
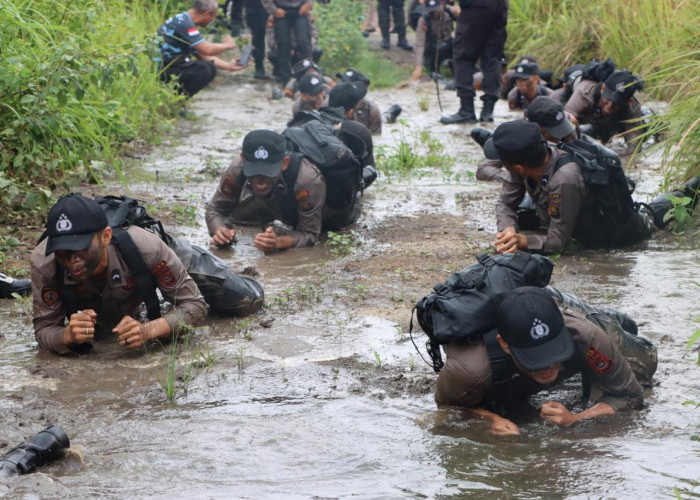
[(228, 185), (165, 276), (554, 204), (304, 193), (130, 284), (597, 361), (49, 296)]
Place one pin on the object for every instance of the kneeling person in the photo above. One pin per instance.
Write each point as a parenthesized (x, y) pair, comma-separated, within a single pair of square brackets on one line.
[(78, 273)]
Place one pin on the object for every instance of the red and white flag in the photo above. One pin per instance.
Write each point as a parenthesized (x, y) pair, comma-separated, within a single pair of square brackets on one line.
[(193, 32)]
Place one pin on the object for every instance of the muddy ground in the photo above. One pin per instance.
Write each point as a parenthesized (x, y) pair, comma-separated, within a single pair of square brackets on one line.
[(322, 394)]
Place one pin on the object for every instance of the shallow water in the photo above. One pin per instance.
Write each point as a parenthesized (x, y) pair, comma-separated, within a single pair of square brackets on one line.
[(327, 400)]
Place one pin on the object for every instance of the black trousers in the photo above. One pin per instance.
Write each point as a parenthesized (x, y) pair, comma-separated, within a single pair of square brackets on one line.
[(480, 34), (256, 18), (444, 52), (396, 7), (283, 35), (192, 76)]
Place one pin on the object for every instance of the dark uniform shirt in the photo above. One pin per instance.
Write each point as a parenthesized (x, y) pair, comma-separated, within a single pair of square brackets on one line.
[(234, 203), (117, 296), (559, 198), (179, 37)]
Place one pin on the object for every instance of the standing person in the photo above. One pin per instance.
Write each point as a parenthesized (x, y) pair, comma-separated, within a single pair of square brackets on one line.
[(186, 55), (290, 16), (480, 34), (79, 275), (434, 33), (256, 18), (395, 8)]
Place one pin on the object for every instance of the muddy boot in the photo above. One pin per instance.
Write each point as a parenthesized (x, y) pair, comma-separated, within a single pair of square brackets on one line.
[(38, 450), (392, 113), (487, 110), (403, 43), (384, 44), (260, 73), (481, 135), (369, 175), (464, 115), (9, 286)]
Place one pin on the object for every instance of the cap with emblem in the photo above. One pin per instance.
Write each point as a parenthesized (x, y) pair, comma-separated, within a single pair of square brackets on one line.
[(620, 87), (351, 75), (300, 67), (432, 5), (529, 320), (311, 84), (263, 153), (526, 69), (518, 141), (346, 95), (72, 222), (549, 114)]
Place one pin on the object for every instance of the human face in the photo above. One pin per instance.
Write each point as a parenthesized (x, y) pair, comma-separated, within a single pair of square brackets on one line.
[(313, 101), (85, 264), (608, 106), (263, 185), (528, 86), (546, 376)]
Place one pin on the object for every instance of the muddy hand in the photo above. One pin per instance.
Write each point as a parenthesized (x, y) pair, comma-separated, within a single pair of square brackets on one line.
[(130, 332), (81, 327), (557, 413), (267, 241), (504, 427), (506, 241), (223, 236)]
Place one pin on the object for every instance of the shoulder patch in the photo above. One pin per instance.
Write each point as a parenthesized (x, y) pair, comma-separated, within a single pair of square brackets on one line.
[(130, 284), (49, 296), (228, 185), (304, 193), (597, 361), (165, 276), (554, 205)]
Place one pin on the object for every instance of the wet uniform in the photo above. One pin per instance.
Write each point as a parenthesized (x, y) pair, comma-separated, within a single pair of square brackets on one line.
[(518, 100), (368, 114), (234, 203), (584, 105), (300, 105), (467, 378), (291, 90), (560, 197), (179, 37), (491, 170), (117, 296)]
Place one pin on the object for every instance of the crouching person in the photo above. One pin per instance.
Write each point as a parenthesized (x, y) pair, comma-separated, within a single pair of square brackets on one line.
[(543, 337), (84, 286)]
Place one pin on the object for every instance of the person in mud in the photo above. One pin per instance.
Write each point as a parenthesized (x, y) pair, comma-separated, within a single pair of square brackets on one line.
[(253, 191), (480, 34), (350, 95), (527, 86), (9, 286), (290, 19), (434, 34), (610, 108), (313, 94), (301, 68), (79, 275), (538, 345), (186, 55), (564, 204)]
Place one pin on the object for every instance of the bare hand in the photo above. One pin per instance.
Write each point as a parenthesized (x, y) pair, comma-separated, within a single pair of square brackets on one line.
[(504, 427), (507, 241), (304, 9), (279, 13), (267, 241), (234, 66), (81, 327), (417, 72), (229, 41), (557, 413), (131, 333), (223, 236)]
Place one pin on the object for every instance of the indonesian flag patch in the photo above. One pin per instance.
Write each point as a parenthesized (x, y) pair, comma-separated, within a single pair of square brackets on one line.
[(193, 32)]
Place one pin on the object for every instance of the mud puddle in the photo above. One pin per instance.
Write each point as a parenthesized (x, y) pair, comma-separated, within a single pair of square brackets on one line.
[(323, 394)]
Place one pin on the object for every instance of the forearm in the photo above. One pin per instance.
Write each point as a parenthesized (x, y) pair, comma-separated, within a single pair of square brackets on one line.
[(597, 410), (51, 338), (185, 314), (299, 239)]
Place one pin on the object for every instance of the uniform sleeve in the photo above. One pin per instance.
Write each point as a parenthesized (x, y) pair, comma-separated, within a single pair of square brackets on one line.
[(48, 313), (188, 33), (225, 199), (512, 193), (565, 197), (177, 287), (269, 6), (512, 98), (580, 101), (466, 378), (375, 119), (610, 372), (491, 170), (310, 195)]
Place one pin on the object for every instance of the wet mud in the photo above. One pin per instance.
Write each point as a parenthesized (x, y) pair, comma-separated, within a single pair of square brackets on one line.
[(322, 394)]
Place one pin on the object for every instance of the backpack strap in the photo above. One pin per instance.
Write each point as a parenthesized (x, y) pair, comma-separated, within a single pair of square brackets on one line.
[(145, 283), (290, 179), (66, 292)]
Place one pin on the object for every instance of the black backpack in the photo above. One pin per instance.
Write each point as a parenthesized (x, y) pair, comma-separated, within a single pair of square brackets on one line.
[(342, 170), (462, 308), (597, 71), (614, 220), (327, 115)]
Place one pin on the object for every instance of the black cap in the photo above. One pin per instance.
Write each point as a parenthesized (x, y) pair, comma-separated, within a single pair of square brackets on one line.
[(300, 67), (530, 322), (358, 138), (263, 152), (526, 69), (351, 75), (549, 114), (346, 95), (620, 87), (432, 5), (72, 222), (518, 141), (311, 84)]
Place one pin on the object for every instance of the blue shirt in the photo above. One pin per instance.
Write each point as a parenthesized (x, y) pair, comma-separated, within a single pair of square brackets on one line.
[(179, 37)]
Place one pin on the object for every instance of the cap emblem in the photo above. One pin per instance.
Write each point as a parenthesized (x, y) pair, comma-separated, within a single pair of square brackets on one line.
[(63, 223), (261, 154), (348, 73), (560, 116), (315, 81), (519, 69), (538, 329), (306, 63), (620, 87)]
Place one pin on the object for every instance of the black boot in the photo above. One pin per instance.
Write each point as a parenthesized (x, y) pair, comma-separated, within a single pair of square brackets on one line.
[(481, 135), (8, 286), (384, 44), (487, 110), (369, 175), (692, 190), (403, 43), (260, 73), (464, 115), (392, 113)]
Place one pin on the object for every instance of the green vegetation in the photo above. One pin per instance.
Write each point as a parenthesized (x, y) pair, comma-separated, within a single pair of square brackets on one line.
[(341, 244), (413, 153)]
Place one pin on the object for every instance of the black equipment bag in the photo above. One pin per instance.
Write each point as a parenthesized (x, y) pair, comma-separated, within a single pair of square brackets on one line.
[(463, 307), (598, 71), (614, 220), (341, 169), (327, 115)]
